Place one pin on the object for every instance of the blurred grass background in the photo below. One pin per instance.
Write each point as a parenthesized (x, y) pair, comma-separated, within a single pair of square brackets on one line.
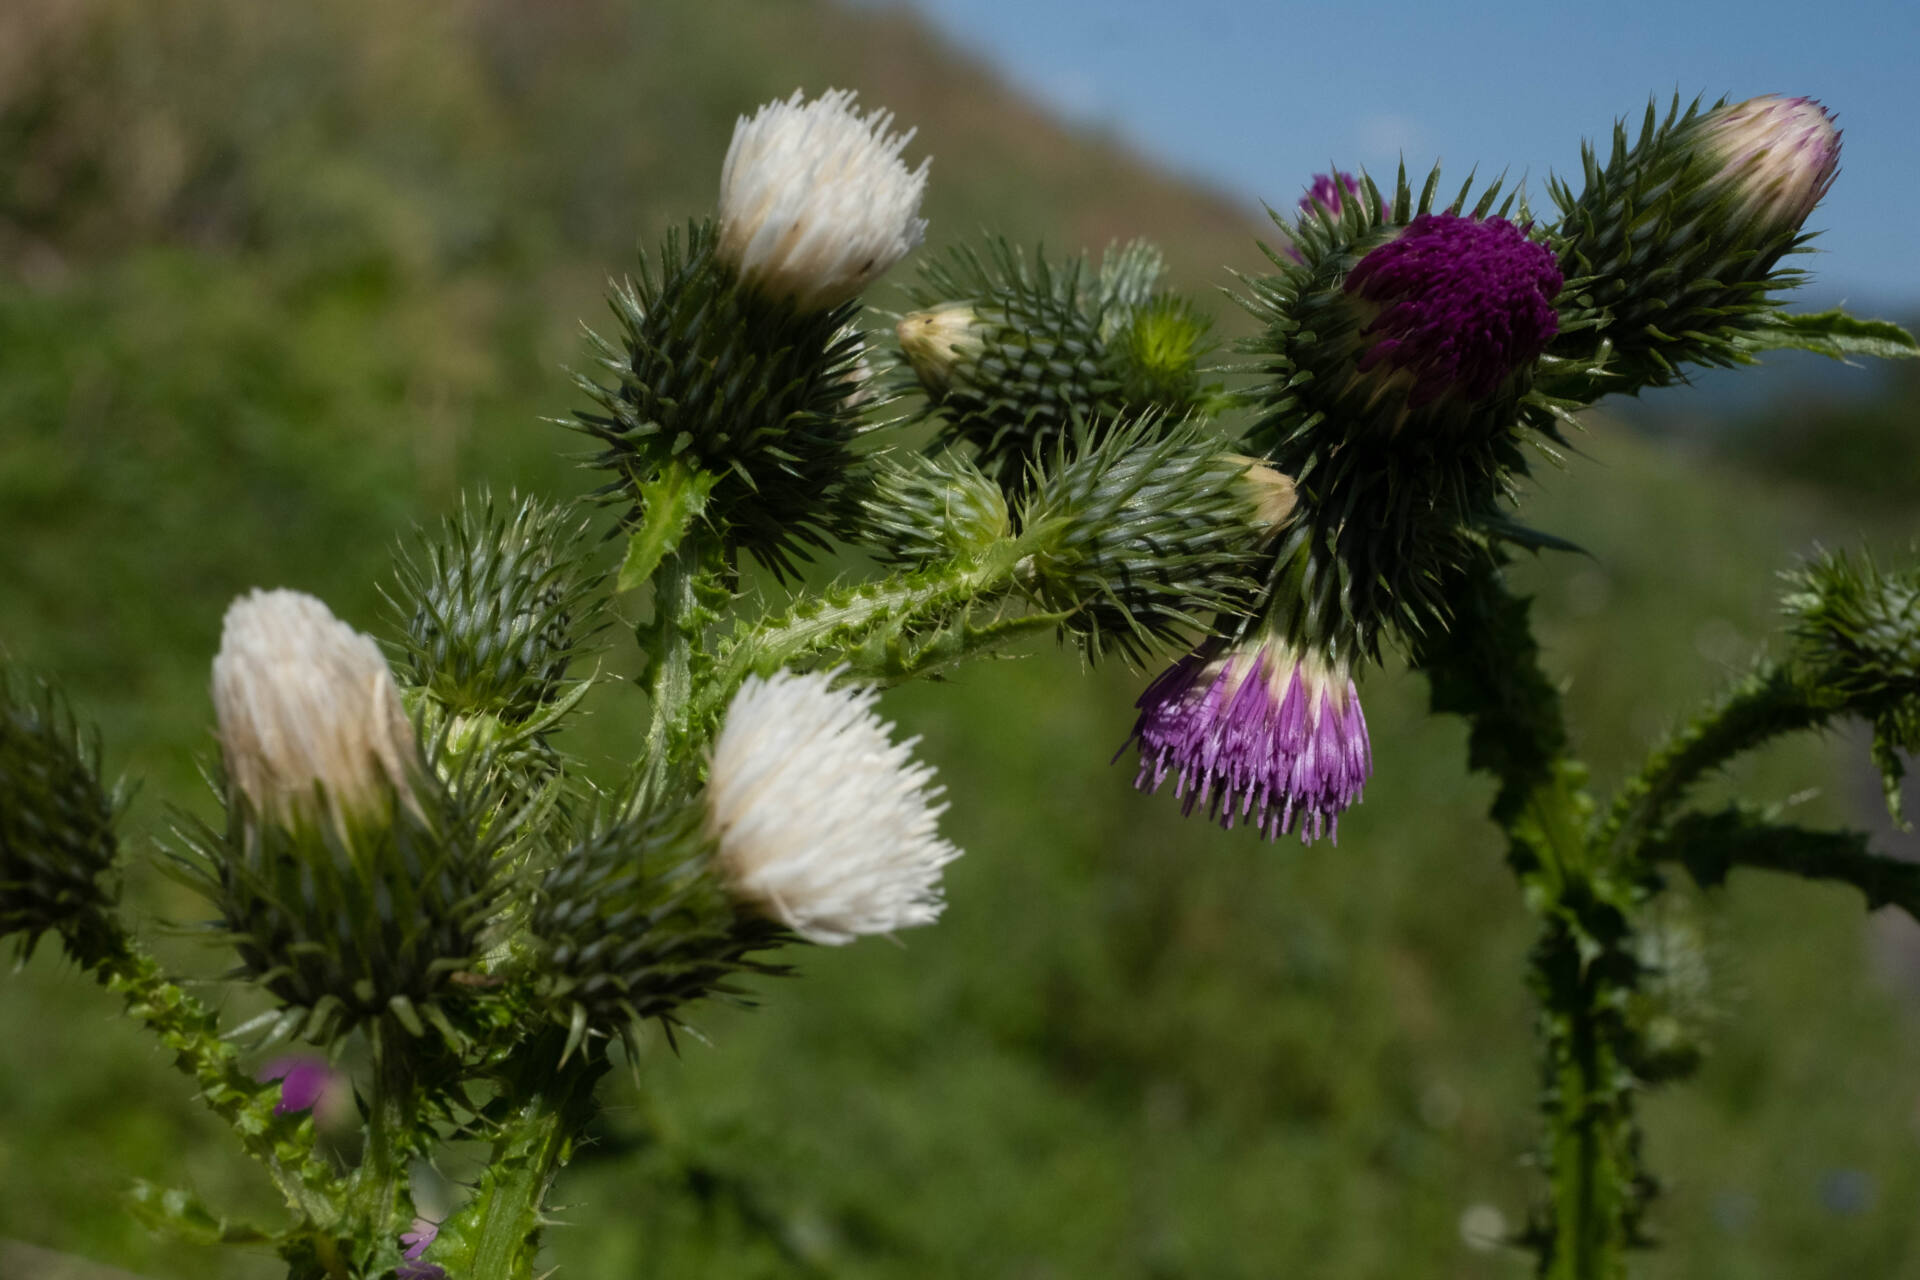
[(277, 282)]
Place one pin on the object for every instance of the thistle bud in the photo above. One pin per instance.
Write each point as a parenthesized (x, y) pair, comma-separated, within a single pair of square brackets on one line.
[(815, 203), (1776, 156), (1676, 240), (1264, 730), (57, 846), (936, 340), (1017, 354), (497, 606), (934, 508), (310, 718), (822, 822), (1144, 530), (629, 925)]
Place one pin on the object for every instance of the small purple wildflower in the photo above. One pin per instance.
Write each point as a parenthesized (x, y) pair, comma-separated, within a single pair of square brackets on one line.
[(422, 1234), (304, 1079), (1327, 190), (1463, 304), (1779, 156), (1264, 731)]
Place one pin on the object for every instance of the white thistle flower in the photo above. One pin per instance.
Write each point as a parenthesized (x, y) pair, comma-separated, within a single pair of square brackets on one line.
[(936, 341), (815, 202), (304, 700), (823, 822)]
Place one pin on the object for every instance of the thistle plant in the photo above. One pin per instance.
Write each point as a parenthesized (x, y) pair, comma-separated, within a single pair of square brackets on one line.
[(461, 928)]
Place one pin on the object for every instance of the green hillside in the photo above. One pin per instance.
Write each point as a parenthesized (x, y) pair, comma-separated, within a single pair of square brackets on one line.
[(277, 282)]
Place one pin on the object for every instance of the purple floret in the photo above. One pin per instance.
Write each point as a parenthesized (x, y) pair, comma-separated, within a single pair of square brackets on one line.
[(1327, 189), (303, 1078), (1465, 303), (1264, 736), (422, 1234)]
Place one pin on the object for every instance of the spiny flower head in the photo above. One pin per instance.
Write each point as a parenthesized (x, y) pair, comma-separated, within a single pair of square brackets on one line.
[(822, 821), (815, 202), (1331, 190), (57, 846), (1263, 730), (1464, 303), (1777, 155), (307, 706), (934, 341)]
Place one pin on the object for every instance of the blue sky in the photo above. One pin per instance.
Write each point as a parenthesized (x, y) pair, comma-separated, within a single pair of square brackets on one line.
[(1255, 97)]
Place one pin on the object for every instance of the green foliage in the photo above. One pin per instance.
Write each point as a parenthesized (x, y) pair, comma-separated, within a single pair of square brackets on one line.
[(929, 508)]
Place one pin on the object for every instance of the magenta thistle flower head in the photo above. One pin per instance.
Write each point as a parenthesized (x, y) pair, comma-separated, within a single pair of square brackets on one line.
[(1778, 156), (1463, 304), (1331, 190), (304, 1080), (1263, 731)]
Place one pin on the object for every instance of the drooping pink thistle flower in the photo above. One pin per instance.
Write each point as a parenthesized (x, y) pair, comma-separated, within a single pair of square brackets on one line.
[(1462, 304), (1263, 732)]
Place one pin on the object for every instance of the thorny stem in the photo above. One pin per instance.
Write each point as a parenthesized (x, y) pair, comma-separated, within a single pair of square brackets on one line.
[(1486, 667)]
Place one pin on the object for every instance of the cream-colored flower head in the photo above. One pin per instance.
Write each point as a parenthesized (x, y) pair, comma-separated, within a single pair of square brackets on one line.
[(815, 202), (304, 701), (1779, 155), (822, 821), (937, 340)]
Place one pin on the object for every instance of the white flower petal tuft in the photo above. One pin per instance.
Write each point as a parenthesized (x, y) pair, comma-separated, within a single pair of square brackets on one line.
[(823, 822), (815, 202), (304, 701)]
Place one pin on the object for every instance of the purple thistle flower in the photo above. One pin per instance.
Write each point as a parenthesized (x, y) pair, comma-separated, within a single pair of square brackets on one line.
[(1265, 731), (1778, 155), (304, 1079), (1327, 190), (420, 1271), (1464, 303)]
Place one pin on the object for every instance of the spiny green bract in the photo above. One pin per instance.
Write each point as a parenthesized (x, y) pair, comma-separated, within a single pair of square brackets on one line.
[(1058, 348), (1857, 626), (1389, 511), (1141, 529), (926, 509), (57, 845), (710, 375), (497, 605), (1662, 268), (631, 923), (358, 922)]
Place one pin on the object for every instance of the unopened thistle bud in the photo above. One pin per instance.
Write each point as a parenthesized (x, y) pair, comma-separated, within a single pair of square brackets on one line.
[(1777, 157), (1264, 732), (1274, 495), (1674, 244), (497, 605), (815, 202), (1142, 532), (310, 719), (57, 845), (929, 509), (936, 340), (822, 822), (1017, 354)]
